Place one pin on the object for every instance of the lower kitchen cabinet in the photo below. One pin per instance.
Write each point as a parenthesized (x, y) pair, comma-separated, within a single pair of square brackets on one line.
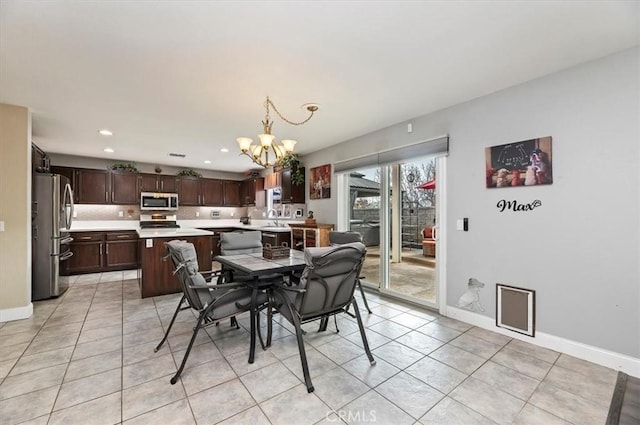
[(95, 252), (88, 254), (121, 251)]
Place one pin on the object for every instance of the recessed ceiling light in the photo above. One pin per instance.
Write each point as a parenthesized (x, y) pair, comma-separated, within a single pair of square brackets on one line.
[(207, 162), (224, 150), (106, 132), (108, 150)]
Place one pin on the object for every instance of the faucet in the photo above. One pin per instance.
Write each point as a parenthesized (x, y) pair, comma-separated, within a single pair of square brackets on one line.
[(275, 213)]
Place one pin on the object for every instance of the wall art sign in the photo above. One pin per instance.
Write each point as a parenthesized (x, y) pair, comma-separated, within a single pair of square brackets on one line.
[(320, 182), (504, 205), (524, 163)]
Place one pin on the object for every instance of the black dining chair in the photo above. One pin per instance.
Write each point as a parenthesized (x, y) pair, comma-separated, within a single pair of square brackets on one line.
[(212, 303), (325, 289), (339, 238)]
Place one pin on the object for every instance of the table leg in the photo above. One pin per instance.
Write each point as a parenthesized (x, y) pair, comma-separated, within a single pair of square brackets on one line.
[(253, 306)]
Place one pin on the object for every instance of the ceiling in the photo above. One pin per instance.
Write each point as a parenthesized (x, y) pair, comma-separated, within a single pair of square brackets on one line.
[(191, 76)]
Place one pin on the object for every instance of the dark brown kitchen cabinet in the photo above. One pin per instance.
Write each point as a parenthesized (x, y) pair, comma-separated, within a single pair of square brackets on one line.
[(88, 255), (102, 251), (92, 186), (189, 191), (272, 181), (253, 192), (232, 193), (68, 172), (121, 250), (158, 183), (211, 192), (291, 193), (149, 183), (124, 188), (168, 184)]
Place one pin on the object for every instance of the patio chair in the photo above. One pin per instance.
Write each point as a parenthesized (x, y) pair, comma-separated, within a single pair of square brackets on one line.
[(189, 258), (339, 238), (212, 302), (326, 288), (236, 243)]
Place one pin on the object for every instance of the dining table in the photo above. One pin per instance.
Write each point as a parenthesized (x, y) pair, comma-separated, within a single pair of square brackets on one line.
[(256, 266)]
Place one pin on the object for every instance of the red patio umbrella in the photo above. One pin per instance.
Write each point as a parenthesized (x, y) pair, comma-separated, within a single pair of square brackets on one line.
[(428, 185)]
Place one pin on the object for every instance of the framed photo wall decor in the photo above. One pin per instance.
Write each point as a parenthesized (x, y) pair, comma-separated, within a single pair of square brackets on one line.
[(523, 163), (320, 182)]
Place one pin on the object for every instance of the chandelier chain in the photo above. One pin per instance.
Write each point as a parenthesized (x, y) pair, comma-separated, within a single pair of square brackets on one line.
[(269, 102)]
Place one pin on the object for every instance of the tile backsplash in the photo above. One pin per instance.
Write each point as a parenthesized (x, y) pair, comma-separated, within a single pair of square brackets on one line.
[(132, 212), (106, 212)]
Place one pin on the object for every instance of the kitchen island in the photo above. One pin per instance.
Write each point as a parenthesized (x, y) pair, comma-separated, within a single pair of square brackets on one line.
[(157, 271)]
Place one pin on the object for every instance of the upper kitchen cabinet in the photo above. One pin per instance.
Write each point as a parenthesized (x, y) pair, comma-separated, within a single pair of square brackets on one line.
[(253, 192), (92, 186), (158, 183), (291, 193), (68, 172), (212, 192), (232, 193), (124, 188), (189, 191), (272, 180)]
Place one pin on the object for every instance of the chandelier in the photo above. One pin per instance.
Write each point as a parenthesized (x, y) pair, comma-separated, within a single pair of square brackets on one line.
[(268, 152)]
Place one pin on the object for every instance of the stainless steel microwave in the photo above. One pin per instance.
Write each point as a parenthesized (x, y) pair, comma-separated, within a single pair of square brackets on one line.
[(158, 201)]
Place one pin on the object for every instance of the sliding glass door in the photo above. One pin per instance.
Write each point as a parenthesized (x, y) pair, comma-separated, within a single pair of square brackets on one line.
[(395, 209)]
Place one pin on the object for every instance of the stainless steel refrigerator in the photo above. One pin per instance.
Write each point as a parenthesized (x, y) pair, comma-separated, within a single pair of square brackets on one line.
[(51, 216)]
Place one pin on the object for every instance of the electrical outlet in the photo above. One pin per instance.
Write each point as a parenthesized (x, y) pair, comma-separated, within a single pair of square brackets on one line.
[(75, 214), (231, 213), (120, 213), (1, 226), (197, 213), (149, 243)]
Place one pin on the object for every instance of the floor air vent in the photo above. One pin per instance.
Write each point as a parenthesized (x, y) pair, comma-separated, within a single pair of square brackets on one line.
[(515, 309)]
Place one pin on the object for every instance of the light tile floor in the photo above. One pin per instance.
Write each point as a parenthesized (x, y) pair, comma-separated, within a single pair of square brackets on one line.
[(87, 358)]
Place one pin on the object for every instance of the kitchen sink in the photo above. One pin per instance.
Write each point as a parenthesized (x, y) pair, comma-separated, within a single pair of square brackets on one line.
[(279, 228)]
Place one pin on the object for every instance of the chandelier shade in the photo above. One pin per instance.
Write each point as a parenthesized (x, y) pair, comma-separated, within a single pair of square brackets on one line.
[(267, 152)]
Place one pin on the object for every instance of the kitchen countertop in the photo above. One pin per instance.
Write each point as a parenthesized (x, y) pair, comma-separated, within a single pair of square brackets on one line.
[(185, 225), (172, 233)]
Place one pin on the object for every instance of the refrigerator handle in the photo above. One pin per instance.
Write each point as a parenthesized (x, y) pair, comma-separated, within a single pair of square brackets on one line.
[(68, 200)]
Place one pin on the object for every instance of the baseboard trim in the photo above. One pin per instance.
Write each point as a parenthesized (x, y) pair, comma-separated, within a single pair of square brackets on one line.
[(621, 362), (17, 313)]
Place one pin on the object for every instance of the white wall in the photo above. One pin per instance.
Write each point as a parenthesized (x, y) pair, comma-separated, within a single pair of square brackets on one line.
[(580, 250)]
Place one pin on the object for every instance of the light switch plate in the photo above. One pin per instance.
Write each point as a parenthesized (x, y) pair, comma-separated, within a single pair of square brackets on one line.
[(1, 226), (460, 224), (149, 243)]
